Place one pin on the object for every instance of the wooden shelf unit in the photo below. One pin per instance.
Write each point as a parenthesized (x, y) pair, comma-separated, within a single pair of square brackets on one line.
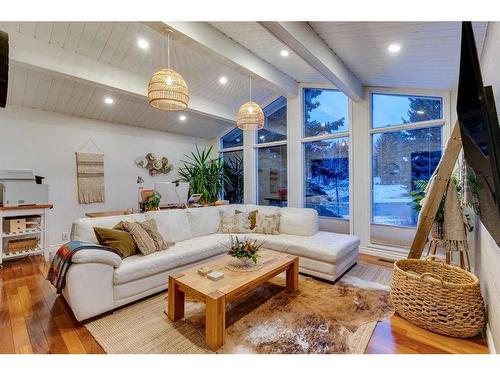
[(36, 218)]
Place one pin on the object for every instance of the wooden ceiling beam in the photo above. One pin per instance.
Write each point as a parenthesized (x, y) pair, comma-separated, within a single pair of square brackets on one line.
[(219, 43), (304, 41)]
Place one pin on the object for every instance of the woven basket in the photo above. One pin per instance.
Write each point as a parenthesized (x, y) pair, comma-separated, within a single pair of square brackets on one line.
[(438, 297)]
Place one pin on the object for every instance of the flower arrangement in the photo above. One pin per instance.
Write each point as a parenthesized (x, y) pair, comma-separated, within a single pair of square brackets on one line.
[(244, 250)]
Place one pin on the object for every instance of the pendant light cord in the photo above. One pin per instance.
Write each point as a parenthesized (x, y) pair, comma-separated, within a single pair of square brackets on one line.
[(250, 88), (168, 50)]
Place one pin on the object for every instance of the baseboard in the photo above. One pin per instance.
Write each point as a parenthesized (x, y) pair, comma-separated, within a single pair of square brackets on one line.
[(382, 251), (489, 340)]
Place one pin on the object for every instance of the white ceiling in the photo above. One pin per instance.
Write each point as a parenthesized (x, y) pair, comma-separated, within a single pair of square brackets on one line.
[(429, 56), (115, 43), (256, 38), (429, 59), (49, 92)]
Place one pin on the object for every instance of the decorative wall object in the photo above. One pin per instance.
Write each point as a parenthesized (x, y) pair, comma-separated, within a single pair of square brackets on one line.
[(154, 164), (90, 177)]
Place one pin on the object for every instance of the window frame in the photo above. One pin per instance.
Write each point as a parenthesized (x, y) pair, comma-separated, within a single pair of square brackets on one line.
[(222, 150), (227, 149), (404, 126), (307, 139), (443, 123), (256, 146)]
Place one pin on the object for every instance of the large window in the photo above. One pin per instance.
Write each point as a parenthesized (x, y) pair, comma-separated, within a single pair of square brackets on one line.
[(325, 112), (326, 152), (402, 159), (272, 156), (234, 138), (392, 110), (274, 122), (232, 155)]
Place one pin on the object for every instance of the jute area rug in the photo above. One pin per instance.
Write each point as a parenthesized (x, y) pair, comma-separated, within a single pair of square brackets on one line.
[(320, 318)]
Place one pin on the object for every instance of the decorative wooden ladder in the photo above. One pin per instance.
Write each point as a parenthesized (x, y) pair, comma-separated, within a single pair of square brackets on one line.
[(436, 192)]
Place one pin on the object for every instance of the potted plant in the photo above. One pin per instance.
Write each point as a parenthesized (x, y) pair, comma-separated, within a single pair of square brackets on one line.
[(151, 202), (204, 174), (244, 251)]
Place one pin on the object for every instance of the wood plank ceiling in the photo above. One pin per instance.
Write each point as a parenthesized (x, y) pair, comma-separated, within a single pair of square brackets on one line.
[(49, 92), (428, 59), (429, 56), (115, 43)]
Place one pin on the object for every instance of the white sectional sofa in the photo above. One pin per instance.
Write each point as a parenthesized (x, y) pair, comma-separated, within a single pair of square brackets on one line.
[(100, 281)]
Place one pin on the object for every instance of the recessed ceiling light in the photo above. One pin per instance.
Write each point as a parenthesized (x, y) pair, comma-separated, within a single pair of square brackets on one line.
[(182, 117), (142, 43), (262, 137), (108, 100), (322, 124), (284, 53), (394, 48), (223, 80)]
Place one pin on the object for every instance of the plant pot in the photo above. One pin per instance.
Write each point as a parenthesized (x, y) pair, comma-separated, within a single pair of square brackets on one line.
[(243, 265)]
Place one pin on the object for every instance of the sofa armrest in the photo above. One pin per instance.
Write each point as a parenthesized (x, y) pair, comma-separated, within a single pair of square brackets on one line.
[(97, 256)]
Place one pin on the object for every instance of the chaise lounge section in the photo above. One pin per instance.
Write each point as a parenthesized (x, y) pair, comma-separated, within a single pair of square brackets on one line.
[(100, 281)]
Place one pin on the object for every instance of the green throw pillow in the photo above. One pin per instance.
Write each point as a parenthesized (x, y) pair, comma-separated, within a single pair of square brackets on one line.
[(117, 239)]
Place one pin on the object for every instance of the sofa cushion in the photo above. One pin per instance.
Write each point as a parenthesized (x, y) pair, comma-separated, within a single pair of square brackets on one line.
[(298, 221), (237, 222), (150, 227), (203, 220), (173, 225), (232, 208), (182, 253), (117, 239), (267, 223), (323, 246), (142, 239), (83, 229)]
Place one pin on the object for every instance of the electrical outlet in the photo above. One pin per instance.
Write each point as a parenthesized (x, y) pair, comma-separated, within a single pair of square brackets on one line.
[(65, 236)]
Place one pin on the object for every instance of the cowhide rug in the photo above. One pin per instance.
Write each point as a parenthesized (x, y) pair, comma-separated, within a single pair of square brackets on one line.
[(319, 318)]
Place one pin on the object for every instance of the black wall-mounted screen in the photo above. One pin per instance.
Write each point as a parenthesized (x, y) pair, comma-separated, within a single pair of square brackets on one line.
[(4, 67), (480, 131)]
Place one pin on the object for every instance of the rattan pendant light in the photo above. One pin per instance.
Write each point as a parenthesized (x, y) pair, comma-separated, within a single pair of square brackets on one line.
[(167, 90), (250, 115)]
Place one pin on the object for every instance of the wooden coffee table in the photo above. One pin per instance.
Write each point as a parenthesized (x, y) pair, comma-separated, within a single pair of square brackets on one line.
[(216, 294)]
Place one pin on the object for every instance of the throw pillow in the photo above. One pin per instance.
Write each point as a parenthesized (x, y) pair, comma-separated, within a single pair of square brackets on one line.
[(267, 224), (120, 240), (150, 227), (252, 215), (144, 242), (234, 223)]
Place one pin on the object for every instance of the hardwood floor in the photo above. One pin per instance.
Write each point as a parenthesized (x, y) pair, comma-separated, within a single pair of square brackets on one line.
[(33, 319)]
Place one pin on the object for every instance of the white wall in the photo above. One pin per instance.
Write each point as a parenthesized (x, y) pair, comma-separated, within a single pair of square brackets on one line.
[(46, 142), (487, 266), (487, 251)]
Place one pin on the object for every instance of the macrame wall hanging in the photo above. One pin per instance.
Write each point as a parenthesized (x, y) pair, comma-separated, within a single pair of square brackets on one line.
[(90, 175)]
